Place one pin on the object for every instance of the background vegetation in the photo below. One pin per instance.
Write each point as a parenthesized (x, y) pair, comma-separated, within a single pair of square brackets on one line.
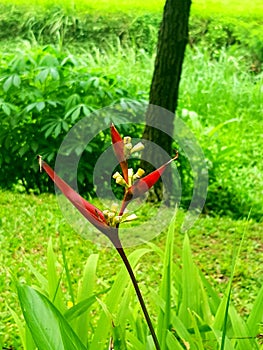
[(60, 63)]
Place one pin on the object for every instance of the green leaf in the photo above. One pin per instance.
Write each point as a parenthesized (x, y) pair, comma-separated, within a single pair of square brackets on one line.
[(42, 75), (16, 80), (256, 314), (6, 109), (241, 330), (8, 83), (55, 293), (48, 327), (30, 107), (20, 326), (75, 114), (57, 130), (78, 309), (190, 285), (181, 332), (164, 318), (54, 73), (40, 106), (172, 343)]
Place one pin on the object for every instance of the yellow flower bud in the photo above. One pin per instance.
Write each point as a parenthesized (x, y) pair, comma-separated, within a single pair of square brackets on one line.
[(119, 179), (106, 213), (117, 220), (140, 172), (131, 217), (115, 175), (111, 215), (127, 139), (137, 148)]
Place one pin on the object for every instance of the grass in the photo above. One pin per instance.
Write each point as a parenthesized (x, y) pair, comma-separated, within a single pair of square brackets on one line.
[(25, 235), (200, 7)]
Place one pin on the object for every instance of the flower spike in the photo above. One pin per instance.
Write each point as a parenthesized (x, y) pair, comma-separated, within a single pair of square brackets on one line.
[(94, 215)]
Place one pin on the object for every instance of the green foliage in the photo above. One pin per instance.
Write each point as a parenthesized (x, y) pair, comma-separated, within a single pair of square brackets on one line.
[(24, 242), (228, 124), (191, 314), (69, 25), (44, 93)]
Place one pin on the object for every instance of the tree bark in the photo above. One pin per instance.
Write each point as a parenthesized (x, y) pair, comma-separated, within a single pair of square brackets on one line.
[(172, 41)]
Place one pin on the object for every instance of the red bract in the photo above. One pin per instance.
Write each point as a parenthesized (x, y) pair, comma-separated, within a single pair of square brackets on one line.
[(143, 185), (118, 146), (89, 211)]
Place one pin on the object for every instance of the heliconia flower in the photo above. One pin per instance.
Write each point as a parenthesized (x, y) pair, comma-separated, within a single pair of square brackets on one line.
[(94, 215), (118, 145)]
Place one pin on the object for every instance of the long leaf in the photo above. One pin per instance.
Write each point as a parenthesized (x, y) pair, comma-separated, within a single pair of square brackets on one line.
[(54, 281), (85, 292), (190, 285), (48, 327), (241, 332), (79, 309), (164, 317), (172, 343), (256, 314), (65, 264)]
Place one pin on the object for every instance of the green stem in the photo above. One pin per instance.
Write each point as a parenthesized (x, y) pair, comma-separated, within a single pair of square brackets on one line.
[(139, 295)]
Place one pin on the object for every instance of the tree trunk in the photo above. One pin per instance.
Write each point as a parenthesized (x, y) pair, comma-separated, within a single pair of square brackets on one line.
[(172, 41)]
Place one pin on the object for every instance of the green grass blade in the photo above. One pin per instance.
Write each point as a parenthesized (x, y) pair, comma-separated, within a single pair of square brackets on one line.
[(225, 318), (218, 337), (164, 317), (197, 334), (86, 287), (21, 327), (118, 337), (48, 327), (181, 332), (190, 285), (55, 293), (220, 314), (256, 314), (241, 332), (79, 309), (134, 343), (85, 292), (237, 321), (65, 264), (172, 343), (213, 299), (41, 279)]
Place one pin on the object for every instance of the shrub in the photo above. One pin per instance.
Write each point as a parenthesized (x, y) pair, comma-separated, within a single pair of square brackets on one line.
[(44, 92)]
